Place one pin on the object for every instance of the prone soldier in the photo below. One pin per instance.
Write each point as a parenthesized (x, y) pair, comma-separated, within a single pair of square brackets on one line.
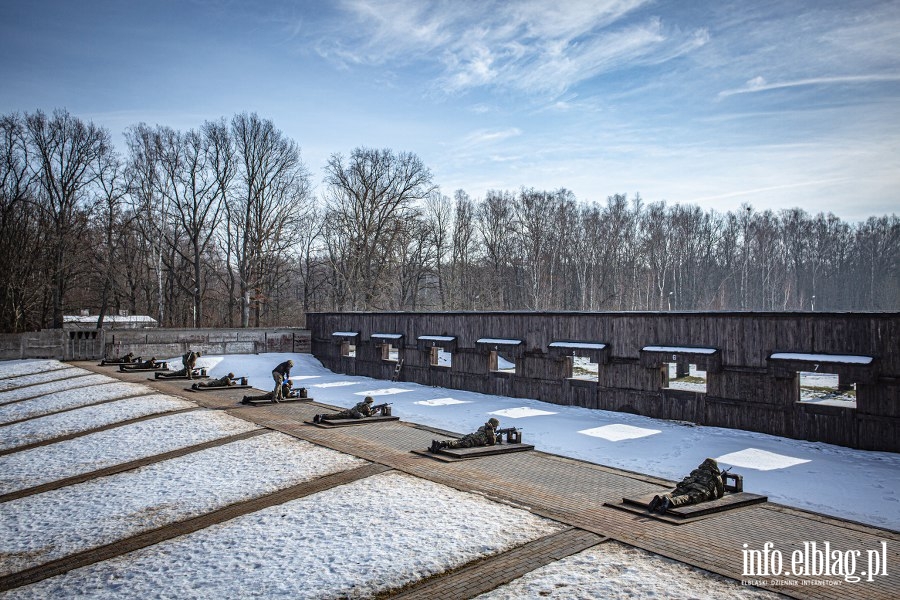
[(486, 435), (224, 381), (127, 359), (287, 391), (706, 482), (361, 410)]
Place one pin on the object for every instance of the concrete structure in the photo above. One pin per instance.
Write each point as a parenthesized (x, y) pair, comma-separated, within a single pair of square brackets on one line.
[(94, 344)]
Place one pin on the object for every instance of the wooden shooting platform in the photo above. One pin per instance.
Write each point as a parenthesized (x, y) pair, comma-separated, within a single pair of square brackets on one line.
[(217, 388), (161, 367), (349, 422), (282, 401), (454, 454), (691, 512), (107, 363), (180, 377)]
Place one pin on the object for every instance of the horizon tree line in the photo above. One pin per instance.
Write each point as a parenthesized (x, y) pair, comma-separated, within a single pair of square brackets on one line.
[(222, 226)]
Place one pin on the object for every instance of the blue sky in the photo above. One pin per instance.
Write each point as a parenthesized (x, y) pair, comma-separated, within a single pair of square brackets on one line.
[(716, 103)]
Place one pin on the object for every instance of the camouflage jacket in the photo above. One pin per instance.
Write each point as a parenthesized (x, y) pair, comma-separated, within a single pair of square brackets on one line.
[(189, 359), (706, 479), (484, 436)]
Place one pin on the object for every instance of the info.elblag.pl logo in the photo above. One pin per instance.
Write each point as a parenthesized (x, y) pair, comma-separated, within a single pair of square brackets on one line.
[(815, 560)]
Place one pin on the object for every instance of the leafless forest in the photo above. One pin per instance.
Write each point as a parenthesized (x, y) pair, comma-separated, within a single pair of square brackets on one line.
[(224, 225)]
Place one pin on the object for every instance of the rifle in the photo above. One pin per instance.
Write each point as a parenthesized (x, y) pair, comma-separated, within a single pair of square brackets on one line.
[(384, 408), (513, 435)]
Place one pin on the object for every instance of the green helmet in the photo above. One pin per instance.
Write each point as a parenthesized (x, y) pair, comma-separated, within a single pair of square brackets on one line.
[(493, 422), (369, 400)]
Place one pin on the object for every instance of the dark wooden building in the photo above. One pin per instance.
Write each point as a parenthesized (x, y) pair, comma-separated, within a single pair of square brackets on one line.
[(752, 363)]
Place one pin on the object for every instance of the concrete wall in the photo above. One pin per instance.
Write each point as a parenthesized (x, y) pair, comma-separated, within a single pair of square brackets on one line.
[(161, 343), (746, 389)]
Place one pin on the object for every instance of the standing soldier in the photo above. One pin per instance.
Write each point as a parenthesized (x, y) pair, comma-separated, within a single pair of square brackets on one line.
[(190, 361), (280, 374)]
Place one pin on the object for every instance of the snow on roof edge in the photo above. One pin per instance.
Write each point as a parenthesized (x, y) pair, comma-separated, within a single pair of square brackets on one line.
[(823, 358)]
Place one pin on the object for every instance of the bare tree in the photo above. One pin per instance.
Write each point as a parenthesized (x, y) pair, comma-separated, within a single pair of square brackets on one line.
[(270, 204), (67, 150), (370, 200)]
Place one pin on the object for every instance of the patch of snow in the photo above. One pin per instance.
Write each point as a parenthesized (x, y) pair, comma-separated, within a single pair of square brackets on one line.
[(57, 401), (354, 540), (332, 384), (387, 336), (41, 377), (28, 366), (52, 387), (441, 402), (101, 511), (614, 570), (505, 366), (84, 419), (521, 412), (437, 338), (578, 345), (94, 451), (618, 432), (499, 341), (382, 392), (679, 350), (760, 460), (345, 333), (823, 358)]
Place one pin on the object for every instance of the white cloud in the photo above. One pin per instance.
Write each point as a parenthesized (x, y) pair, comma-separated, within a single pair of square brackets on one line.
[(488, 137), (528, 46), (759, 84)]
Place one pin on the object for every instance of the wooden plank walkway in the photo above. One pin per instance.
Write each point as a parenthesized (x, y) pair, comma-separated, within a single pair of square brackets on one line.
[(573, 492)]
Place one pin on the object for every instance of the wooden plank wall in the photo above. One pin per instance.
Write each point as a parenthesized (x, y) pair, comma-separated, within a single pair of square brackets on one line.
[(745, 394)]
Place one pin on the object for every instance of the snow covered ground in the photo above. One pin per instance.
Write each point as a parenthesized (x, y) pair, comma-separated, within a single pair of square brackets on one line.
[(53, 401), (374, 534), (29, 468), (851, 484), (353, 540), (85, 418), (104, 510), (613, 570)]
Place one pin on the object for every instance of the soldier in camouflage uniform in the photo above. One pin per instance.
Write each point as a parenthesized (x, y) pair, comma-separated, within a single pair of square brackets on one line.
[(147, 364), (224, 381), (361, 410), (280, 374), (484, 436), (704, 483), (127, 359), (287, 391), (189, 360)]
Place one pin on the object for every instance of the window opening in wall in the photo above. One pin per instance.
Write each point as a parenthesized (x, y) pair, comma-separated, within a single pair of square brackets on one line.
[(348, 349), (581, 367), (683, 376), (389, 352), (438, 357), (497, 363), (827, 389)]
